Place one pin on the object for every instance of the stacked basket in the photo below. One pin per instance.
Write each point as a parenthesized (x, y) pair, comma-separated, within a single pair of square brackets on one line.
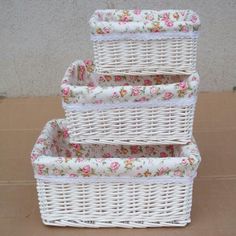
[(124, 156)]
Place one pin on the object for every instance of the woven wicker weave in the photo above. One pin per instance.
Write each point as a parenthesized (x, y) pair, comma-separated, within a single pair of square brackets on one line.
[(115, 204), (160, 125), (165, 56)]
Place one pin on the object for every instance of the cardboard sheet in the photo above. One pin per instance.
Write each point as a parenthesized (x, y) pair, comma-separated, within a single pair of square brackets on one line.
[(214, 198)]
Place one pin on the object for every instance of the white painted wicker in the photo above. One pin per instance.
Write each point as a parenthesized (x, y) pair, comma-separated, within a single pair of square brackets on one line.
[(155, 125), (150, 42), (126, 205), (163, 56), (156, 121)]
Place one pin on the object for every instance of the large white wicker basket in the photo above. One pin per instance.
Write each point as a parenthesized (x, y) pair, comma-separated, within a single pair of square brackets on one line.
[(144, 42), (78, 188), (128, 109)]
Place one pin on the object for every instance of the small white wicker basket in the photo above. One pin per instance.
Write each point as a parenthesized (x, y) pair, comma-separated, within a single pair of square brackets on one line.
[(144, 42), (103, 186), (128, 109)]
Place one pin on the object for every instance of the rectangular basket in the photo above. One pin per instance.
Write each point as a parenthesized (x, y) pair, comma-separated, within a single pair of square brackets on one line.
[(112, 186), (144, 42), (128, 109)]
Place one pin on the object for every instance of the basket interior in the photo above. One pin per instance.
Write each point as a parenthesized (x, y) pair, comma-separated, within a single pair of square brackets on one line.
[(84, 75), (59, 146)]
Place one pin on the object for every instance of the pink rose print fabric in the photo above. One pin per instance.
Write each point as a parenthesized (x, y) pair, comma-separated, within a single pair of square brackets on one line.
[(53, 155), (143, 21), (81, 85)]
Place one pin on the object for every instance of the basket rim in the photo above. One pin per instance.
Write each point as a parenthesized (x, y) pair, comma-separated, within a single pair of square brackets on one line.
[(44, 161), (109, 21), (85, 94), (117, 179)]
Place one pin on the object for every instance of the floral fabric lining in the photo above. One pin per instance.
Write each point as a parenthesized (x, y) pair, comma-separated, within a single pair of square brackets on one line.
[(82, 85), (143, 21), (53, 155)]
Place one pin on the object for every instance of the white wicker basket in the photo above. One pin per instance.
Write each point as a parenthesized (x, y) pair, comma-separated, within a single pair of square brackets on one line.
[(144, 42), (78, 188), (128, 109)]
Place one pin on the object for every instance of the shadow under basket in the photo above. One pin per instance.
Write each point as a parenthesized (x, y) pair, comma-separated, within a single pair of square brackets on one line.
[(112, 186)]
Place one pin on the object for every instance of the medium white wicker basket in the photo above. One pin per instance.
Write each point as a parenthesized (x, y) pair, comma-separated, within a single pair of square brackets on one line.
[(128, 109), (144, 42), (78, 188)]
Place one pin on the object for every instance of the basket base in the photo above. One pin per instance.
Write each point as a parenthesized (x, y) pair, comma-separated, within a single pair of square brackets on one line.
[(115, 224), (117, 141)]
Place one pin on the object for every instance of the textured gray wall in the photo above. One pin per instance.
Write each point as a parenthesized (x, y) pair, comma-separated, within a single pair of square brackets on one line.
[(40, 38)]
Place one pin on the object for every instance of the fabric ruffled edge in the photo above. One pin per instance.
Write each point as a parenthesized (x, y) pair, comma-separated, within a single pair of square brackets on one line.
[(141, 24), (43, 156), (75, 97)]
